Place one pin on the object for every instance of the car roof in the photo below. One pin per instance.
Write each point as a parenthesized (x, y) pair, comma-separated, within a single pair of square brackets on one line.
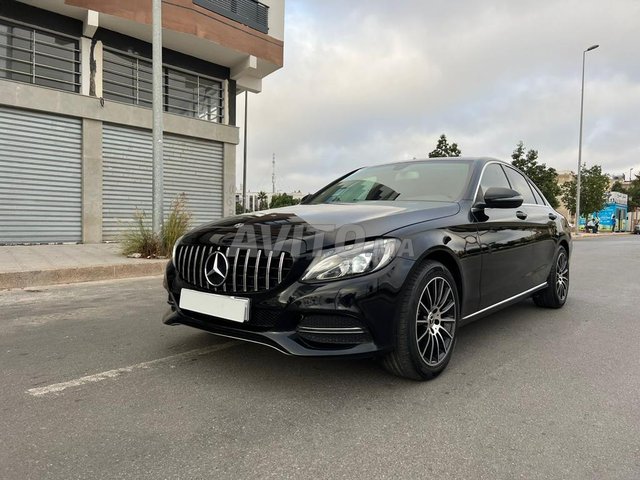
[(475, 160)]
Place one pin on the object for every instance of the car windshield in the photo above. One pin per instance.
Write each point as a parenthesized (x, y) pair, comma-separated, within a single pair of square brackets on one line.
[(442, 181)]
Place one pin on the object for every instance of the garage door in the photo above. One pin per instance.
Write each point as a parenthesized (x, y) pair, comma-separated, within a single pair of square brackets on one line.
[(40, 177), (191, 166), (195, 168)]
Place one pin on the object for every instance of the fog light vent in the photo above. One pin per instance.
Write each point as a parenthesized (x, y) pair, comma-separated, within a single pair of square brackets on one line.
[(333, 330)]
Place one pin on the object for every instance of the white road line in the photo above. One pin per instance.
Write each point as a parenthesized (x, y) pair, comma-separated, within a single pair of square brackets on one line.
[(98, 377)]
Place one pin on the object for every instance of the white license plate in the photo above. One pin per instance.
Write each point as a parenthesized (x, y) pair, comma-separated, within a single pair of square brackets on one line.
[(230, 308)]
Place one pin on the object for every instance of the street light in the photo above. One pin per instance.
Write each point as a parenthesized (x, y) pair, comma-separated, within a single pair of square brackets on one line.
[(630, 214), (592, 47)]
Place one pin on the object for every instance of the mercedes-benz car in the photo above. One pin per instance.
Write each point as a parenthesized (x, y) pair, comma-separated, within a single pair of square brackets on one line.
[(386, 261)]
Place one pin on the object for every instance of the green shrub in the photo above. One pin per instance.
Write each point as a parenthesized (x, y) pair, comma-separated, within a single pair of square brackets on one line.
[(141, 239)]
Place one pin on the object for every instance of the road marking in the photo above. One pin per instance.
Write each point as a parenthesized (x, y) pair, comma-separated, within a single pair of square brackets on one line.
[(98, 377)]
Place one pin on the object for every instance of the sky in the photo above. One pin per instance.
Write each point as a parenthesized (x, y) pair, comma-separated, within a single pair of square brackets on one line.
[(376, 81)]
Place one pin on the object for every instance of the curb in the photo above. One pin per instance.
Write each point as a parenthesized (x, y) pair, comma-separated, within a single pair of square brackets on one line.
[(40, 278), (583, 236)]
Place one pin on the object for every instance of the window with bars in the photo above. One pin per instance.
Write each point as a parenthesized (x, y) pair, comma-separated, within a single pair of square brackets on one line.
[(38, 56), (248, 12), (127, 78)]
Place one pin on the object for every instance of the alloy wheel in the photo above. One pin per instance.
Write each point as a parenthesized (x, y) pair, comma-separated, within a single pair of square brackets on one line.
[(436, 321), (562, 276)]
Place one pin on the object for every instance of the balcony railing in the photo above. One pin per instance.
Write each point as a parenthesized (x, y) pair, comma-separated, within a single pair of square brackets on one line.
[(248, 12)]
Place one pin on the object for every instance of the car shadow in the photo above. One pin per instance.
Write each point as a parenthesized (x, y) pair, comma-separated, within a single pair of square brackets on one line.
[(481, 345)]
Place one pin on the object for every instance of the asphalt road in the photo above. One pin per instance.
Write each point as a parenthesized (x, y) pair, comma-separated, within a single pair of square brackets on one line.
[(94, 386)]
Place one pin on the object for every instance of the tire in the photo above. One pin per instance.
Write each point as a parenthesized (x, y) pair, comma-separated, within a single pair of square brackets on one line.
[(426, 324), (555, 295)]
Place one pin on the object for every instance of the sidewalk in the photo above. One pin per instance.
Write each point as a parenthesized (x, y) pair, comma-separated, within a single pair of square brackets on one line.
[(37, 265), (583, 235)]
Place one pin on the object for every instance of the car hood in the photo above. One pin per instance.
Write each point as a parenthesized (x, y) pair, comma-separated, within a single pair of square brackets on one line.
[(321, 225)]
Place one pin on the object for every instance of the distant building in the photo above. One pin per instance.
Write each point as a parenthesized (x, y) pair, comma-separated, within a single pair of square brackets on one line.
[(75, 109), (565, 176)]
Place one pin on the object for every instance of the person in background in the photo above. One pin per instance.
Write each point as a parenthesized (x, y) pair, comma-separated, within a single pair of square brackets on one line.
[(596, 224), (590, 226), (613, 222)]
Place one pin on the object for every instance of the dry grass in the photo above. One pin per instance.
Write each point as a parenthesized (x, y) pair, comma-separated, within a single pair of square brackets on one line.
[(141, 238)]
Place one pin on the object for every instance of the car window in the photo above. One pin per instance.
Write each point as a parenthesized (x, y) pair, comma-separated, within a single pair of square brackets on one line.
[(535, 195), (493, 176), (538, 194), (412, 181), (520, 185)]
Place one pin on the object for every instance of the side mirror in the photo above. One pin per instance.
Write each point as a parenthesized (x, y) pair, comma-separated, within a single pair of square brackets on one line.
[(499, 197)]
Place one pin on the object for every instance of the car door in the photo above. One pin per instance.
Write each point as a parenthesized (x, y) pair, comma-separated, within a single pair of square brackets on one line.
[(507, 240), (541, 218)]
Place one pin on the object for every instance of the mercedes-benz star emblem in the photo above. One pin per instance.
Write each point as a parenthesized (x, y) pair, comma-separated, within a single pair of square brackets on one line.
[(216, 268)]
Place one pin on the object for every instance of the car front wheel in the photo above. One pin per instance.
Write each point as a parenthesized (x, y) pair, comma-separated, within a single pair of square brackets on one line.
[(426, 324)]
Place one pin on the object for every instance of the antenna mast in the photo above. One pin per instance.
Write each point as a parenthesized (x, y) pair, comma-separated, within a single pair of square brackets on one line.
[(273, 174)]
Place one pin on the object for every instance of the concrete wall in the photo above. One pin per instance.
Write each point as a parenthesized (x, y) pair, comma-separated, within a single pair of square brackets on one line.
[(93, 113)]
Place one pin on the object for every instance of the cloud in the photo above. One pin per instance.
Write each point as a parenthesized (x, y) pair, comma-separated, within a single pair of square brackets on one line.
[(378, 81)]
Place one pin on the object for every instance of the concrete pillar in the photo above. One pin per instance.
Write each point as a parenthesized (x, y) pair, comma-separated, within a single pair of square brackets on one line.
[(91, 181), (97, 57), (229, 180), (85, 65), (225, 106)]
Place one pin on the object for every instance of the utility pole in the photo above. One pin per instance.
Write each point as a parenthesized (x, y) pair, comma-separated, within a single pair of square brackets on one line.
[(244, 166), (273, 174), (158, 126)]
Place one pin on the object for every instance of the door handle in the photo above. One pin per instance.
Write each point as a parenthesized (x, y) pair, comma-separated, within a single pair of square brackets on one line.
[(552, 216), (521, 215)]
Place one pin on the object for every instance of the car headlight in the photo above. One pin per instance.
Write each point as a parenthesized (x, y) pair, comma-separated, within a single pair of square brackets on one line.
[(352, 260)]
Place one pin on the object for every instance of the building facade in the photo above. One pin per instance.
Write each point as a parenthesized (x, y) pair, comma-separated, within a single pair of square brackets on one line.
[(75, 109)]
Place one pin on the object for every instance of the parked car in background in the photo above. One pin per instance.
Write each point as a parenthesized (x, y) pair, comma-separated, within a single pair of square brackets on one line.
[(636, 229), (389, 261)]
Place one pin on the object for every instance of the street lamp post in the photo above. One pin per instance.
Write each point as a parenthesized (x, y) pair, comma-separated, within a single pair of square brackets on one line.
[(630, 214), (592, 47)]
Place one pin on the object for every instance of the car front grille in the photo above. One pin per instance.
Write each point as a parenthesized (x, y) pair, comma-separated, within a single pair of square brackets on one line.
[(249, 270)]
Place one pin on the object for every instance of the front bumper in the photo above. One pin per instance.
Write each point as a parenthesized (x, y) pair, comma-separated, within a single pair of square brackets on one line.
[(352, 317)]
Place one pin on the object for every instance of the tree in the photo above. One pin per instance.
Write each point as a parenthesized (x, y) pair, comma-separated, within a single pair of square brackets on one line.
[(618, 187), (263, 204), (634, 193), (546, 178), (593, 187), (443, 149), (239, 209), (282, 200)]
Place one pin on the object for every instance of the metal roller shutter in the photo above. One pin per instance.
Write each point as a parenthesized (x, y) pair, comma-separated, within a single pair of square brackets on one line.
[(191, 166), (126, 178), (194, 167), (40, 177)]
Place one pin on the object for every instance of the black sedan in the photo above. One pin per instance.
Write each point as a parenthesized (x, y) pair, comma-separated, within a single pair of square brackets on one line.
[(387, 261)]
